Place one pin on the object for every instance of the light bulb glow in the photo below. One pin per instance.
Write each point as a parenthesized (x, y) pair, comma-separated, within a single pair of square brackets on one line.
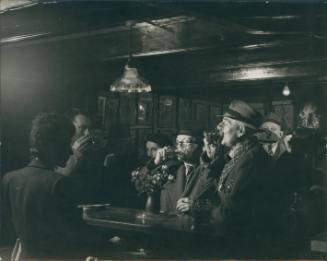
[(286, 90)]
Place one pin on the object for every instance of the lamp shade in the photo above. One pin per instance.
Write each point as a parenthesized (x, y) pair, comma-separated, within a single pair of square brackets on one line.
[(130, 81)]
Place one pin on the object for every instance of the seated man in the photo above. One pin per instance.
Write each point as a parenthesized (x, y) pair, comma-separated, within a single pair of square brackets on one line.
[(41, 203), (190, 182), (155, 143), (241, 187)]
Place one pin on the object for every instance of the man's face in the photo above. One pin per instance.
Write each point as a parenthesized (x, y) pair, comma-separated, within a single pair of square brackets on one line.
[(270, 148), (274, 128), (82, 126), (186, 148), (230, 132), (151, 149), (210, 148)]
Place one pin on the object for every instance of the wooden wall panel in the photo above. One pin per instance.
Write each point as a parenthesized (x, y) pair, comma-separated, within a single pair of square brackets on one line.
[(285, 109), (167, 112), (143, 114)]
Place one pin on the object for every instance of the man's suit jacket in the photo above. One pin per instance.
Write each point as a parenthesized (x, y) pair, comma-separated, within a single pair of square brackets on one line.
[(200, 186), (42, 208)]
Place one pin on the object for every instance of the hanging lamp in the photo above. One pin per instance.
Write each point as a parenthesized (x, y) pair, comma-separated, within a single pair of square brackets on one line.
[(131, 81)]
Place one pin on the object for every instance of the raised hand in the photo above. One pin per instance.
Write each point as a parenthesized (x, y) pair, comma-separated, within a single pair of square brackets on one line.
[(82, 145)]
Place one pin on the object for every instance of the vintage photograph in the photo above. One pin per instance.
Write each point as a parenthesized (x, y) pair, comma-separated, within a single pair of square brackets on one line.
[(163, 130)]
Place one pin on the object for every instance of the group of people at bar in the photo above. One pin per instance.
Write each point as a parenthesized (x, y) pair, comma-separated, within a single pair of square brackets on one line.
[(239, 177), (232, 171)]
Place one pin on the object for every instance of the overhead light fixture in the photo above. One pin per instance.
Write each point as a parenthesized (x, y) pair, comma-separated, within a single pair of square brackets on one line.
[(286, 90), (130, 81)]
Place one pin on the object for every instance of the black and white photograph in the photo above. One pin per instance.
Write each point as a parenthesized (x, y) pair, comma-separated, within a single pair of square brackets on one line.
[(163, 130)]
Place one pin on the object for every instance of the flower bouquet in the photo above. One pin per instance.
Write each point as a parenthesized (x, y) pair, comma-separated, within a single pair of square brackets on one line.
[(151, 181)]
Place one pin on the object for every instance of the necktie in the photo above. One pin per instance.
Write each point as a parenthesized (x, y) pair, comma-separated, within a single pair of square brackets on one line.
[(189, 173)]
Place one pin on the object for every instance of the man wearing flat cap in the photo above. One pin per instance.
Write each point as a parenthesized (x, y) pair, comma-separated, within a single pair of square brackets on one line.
[(190, 184), (240, 184), (154, 143)]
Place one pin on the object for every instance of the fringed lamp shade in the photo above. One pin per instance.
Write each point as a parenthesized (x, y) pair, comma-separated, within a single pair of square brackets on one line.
[(130, 81)]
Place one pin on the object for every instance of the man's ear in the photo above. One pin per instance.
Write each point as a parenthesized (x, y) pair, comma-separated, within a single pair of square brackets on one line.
[(240, 131)]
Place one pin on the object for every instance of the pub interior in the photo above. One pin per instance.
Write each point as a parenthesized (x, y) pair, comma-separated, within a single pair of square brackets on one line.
[(227, 98)]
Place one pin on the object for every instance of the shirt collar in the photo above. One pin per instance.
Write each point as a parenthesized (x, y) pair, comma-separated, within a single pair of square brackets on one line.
[(36, 163), (189, 166)]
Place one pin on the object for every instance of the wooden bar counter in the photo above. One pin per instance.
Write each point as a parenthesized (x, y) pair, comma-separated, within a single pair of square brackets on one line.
[(158, 236)]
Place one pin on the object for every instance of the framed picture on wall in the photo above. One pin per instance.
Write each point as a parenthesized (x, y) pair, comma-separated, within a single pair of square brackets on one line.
[(201, 114), (101, 108), (184, 112), (144, 109), (133, 134), (127, 108), (215, 116), (285, 109), (112, 107), (167, 112)]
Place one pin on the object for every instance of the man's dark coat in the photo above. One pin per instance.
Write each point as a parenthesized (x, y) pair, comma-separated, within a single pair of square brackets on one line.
[(242, 190)]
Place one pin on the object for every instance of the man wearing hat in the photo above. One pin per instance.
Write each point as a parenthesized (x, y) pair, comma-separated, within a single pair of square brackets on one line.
[(273, 123), (190, 184), (154, 144), (240, 186), (286, 170)]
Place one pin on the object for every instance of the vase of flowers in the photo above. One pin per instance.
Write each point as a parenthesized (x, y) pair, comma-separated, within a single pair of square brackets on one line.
[(150, 203), (150, 182)]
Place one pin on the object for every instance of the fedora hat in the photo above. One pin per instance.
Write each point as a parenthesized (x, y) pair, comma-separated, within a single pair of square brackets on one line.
[(243, 112), (195, 133)]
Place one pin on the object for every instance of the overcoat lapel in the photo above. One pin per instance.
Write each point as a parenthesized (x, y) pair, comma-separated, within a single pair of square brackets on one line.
[(180, 181), (192, 182)]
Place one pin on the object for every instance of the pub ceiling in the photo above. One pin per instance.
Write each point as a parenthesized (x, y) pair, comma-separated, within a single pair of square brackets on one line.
[(203, 47)]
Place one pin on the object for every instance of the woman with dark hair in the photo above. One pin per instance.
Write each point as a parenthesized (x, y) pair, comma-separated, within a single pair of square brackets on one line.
[(40, 202)]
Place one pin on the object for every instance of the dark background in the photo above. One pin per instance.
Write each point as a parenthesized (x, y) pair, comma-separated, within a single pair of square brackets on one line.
[(197, 57)]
